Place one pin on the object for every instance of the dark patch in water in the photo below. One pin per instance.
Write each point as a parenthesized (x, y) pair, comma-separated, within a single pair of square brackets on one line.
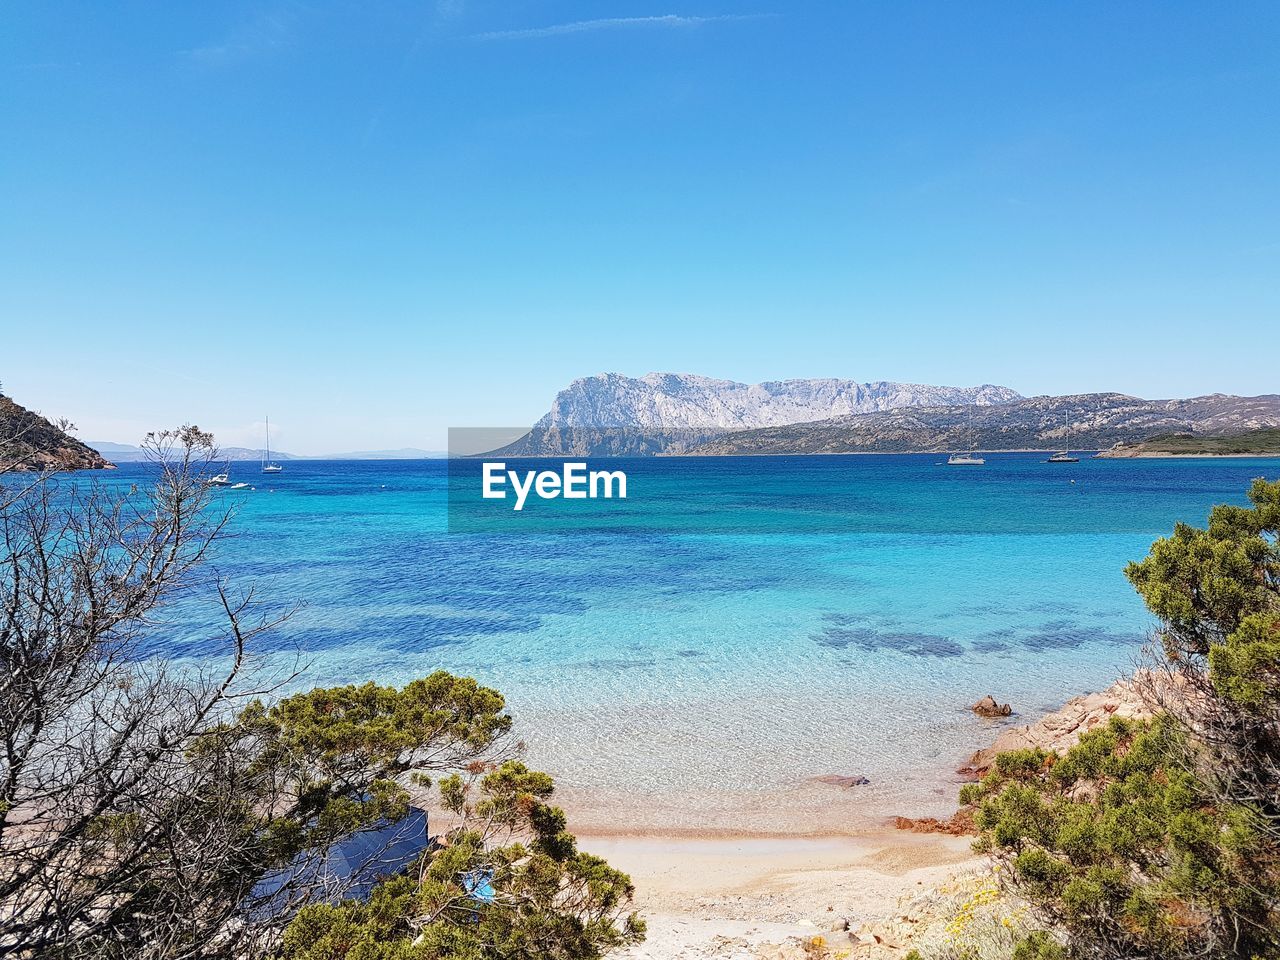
[(417, 633), (1057, 626), (689, 653), (1066, 635), (982, 609), (1054, 640), (989, 646), (1052, 606), (1002, 633), (870, 639)]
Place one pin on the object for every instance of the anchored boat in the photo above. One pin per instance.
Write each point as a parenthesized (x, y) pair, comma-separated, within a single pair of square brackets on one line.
[(1064, 456), (267, 465)]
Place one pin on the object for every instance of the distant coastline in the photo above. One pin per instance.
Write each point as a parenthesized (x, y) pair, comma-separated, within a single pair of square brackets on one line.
[(129, 453), (1251, 443), (1167, 455), (1085, 454)]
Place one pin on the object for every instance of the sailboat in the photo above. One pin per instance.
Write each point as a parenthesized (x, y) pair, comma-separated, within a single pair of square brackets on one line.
[(970, 459), (1064, 456), (267, 465)]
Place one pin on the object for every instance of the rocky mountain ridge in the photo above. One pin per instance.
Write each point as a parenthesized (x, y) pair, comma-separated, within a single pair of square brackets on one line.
[(1084, 422), (682, 401), (615, 415)]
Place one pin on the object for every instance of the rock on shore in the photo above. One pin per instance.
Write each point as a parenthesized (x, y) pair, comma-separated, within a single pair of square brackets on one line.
[(988, 707), (1060, 731)]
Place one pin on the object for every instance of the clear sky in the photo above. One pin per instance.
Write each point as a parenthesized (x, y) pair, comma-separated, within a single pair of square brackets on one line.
[(374, 220)]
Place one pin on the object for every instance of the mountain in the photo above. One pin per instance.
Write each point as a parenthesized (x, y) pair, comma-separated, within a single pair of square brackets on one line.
[(400, 453), (678, 401), (611, 414), (28, 441), (128, 453), (1097, 421)]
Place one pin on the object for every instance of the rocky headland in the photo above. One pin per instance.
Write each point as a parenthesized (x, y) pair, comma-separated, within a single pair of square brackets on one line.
[(1252, 443), (614, 415), (30, 442)]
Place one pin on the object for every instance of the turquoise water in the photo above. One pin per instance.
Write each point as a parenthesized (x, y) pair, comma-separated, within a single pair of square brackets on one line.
[(828, 614)]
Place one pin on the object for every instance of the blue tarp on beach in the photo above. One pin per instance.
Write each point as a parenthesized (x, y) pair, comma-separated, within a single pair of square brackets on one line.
[(354, 865)]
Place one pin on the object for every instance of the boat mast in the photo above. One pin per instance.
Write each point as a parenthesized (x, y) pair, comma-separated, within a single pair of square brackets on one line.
[(268, 453)]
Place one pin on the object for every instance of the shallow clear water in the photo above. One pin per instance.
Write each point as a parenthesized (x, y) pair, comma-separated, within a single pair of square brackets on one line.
[(857, 606)]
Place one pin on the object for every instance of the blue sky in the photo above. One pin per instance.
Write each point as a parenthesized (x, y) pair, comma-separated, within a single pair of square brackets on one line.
[(374, 220)]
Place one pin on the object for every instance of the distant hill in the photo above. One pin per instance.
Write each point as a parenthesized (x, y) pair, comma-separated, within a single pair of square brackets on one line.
[(128, 453), (400, 453), (29, 441), (1096, 420), (1254, 443)]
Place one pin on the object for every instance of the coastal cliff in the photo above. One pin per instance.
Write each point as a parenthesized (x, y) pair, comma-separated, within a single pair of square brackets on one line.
[(683, 401), (30, 442), (615, 415)]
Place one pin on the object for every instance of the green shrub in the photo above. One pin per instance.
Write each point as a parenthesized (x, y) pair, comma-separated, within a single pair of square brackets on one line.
[(1161, 839), (551, 901)]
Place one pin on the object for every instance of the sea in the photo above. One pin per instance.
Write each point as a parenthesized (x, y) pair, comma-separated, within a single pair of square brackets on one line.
[(752, 623)]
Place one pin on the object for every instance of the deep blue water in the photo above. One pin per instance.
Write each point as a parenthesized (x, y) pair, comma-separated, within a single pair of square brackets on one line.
[(826, 614)]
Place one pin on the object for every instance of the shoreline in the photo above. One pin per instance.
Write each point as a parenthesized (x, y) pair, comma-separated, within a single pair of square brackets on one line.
[(758, 895), (1155, 455)]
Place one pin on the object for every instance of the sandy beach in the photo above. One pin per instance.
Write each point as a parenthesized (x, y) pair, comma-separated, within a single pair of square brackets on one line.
[(744, 897), (762, 896)]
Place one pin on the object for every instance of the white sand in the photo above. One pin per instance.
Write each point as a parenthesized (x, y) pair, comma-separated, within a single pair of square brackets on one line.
[(731, 898)]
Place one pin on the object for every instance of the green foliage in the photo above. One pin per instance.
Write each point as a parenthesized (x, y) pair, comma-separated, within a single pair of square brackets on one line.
[(319, 766), (1039, 946), (376, 930), (1246, 667), (551, 901), (1265, 442), (1208, 584), (1158, 839), (341, 726), (1121, 844)]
